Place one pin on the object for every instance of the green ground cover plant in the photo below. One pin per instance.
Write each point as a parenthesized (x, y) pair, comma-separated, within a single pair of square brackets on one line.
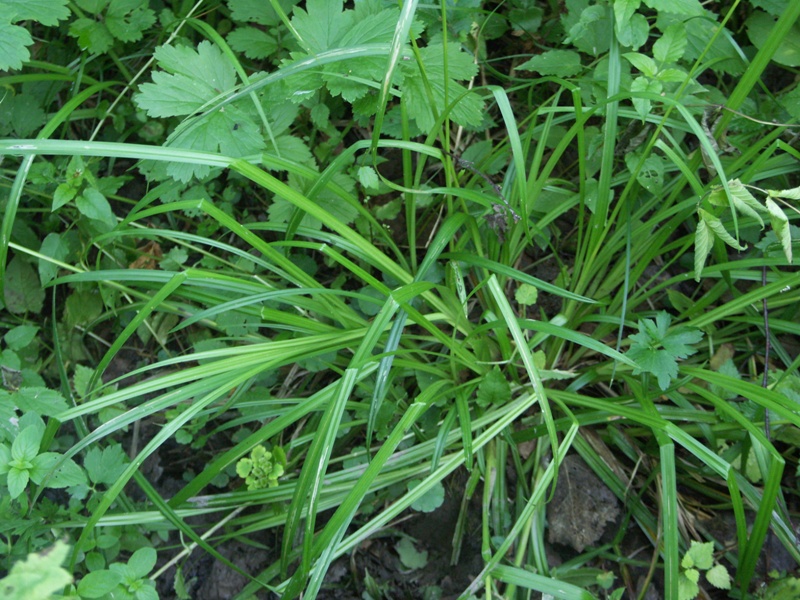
[(292, 276)]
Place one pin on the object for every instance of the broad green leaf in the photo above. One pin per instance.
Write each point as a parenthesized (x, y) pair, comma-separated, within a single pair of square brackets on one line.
[(721, 56), (43, 401), (719, 577), (431, 500), (526, 294), (22, 290), (92, 204), (98, 583), (17, 481), (368, 177), (189, 80), (689, 8), (587, 27), (780, 225), (624, 10), (67, 474), (321, 24), (744, 201), (38, 577), (792, 194), (657, 348), (128, 19), (634, 33), (92, 35), (468, 111), (759, 28), (650, 86), (699, 555), (671, 46), (13, 45), (20, 336), (494, 389), (687, 585), (142, 561), (21, 113), (258, 11), (411, 557), (106, 465), (561, 63), (26, 445), (715, 225), (56, 246), (642, 62), (253, 43), (47, 12)]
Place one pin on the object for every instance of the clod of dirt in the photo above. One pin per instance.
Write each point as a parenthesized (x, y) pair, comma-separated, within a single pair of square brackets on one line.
[(581, 506)]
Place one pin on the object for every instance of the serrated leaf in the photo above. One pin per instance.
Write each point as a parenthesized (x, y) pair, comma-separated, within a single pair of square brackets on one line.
[(189, 80), (321, 24), (715, 225), (687, 589), (561, 63), (106, 465), (671, 46), (22, 290), (92, 35), (468, 111), (81, 379), (67, 474), (744, 201), (128, 19), (14, 41), (253, 43), (656, 348), (43, 401), (493, 389), (368, 177), (719, 577), (701, 555), (47, 12), (791, 194), (780, 225)]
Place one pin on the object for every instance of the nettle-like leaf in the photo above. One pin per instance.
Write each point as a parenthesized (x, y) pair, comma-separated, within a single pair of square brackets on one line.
[(191, 79), (14, 39), (657, 349), (258, 11), (124, 20)]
